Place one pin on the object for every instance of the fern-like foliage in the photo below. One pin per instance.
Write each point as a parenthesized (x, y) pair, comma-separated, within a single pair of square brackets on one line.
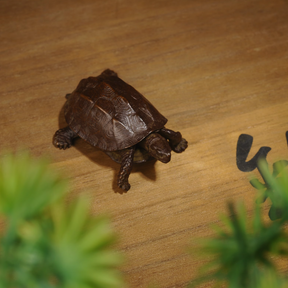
[(46, 242), (242, 247)]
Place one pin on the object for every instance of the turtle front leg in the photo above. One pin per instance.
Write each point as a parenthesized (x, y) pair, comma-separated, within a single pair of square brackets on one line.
[(62, 138), (126, 168), (177, 143)]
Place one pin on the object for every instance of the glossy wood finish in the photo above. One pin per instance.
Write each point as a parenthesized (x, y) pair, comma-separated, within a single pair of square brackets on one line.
[(214, 69)]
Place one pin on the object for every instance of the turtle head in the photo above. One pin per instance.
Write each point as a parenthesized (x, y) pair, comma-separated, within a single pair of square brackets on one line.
[(158, 147)]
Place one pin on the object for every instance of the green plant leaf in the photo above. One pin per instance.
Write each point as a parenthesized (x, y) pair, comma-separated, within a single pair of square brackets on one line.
[(47, 242), (27, 185)]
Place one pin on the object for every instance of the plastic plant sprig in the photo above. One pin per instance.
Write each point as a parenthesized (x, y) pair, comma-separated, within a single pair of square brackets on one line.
[(241, 249), (46, 242), (73, 229), (27, 185), (275, 187)]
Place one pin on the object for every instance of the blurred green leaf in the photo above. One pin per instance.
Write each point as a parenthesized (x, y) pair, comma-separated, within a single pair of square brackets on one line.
[(240, 254), (27, 186), (89, 239), (272, 279), (242, 248), (46, 242)]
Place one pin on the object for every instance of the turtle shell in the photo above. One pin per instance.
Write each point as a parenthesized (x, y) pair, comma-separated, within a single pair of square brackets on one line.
[(110, 114)]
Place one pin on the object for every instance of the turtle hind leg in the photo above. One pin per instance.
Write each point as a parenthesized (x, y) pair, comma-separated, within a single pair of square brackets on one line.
[(62, 138), (126, 168), (177, 143)]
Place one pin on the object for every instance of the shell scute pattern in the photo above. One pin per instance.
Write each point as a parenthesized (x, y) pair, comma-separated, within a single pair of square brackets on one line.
[(126, 115), (76, 109), (105, 112)]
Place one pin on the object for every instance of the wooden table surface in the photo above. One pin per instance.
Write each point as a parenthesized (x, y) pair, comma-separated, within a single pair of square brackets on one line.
[(215, 69)]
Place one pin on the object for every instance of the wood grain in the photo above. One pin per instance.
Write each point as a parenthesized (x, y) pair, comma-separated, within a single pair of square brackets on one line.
[(215, 69)]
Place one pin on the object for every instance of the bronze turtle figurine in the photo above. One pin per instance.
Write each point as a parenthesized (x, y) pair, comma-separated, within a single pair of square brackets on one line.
[(110, 114)]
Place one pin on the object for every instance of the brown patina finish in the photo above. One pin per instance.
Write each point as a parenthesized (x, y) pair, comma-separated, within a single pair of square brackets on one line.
[(110, 114)]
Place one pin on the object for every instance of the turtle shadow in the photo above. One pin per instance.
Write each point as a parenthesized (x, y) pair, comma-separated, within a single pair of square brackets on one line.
[(147, 169)]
